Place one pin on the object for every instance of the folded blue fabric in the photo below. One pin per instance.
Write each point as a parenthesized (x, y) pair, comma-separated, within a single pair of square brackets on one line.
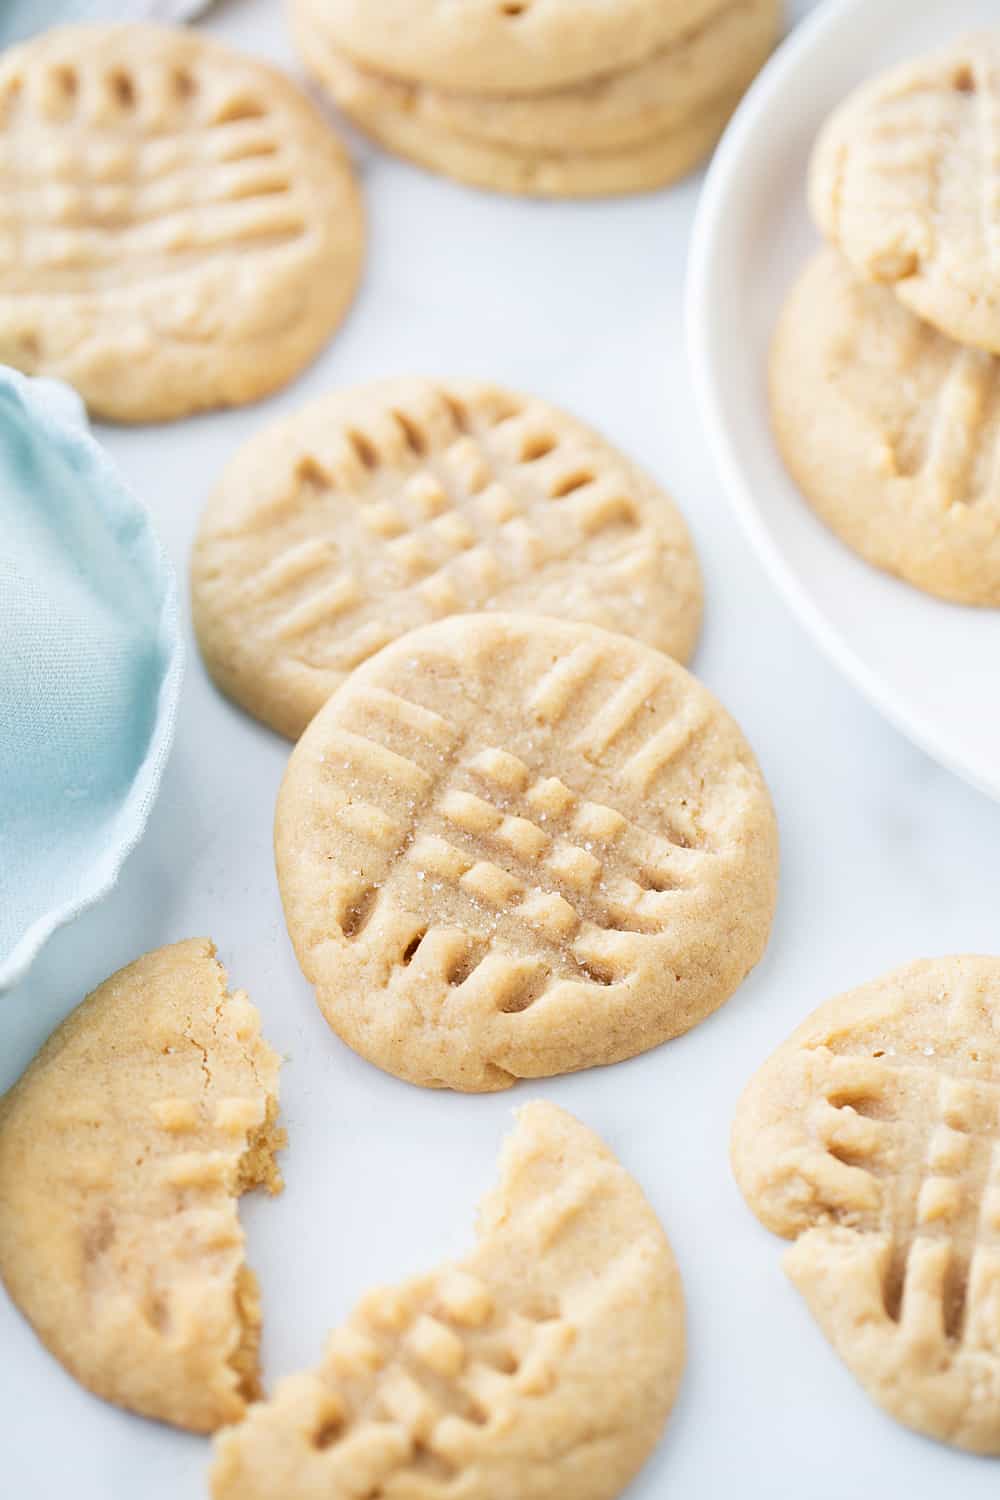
[(21, 18), (90, 664)]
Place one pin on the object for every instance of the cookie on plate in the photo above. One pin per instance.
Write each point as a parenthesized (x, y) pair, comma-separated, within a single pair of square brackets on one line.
[(512, 846), (870, 1139), (719, 55), (891, 431), (383, 507), (181, 229), (123, 1149), (543, 1365), (904, 180)]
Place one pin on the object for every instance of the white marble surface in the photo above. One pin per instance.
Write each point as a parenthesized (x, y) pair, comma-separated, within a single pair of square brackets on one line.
[(885, 857)]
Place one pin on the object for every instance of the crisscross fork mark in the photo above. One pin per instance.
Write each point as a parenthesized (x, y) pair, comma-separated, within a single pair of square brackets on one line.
[(927, 116), (578, 889), (126, 194), (111, 159), (409, 1380), (432, 526), (565, 684), (950, 1190), (543, 818), (140, 199), (242, 225), (385, 830), (484, 494), (95, 92), (443, 539), (550, 919)]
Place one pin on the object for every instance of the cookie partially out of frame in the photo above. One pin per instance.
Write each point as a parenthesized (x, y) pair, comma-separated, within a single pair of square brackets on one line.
[(383, 507), (180, 228), (504, 46), (721, 52), (870, 1139), (123, 1150), (543, 1365), (904, 180), (891, 431), (512, 846)]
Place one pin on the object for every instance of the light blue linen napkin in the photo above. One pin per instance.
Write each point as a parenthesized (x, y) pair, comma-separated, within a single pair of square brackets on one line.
[(21, 18), (90, 665)]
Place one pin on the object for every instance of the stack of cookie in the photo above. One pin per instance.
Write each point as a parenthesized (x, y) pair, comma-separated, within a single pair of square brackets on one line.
[(885, 382), (547, 97), (516, 838)]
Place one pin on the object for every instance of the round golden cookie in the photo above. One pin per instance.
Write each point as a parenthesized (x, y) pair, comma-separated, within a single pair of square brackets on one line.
[(512, 847), (123, 1149), (639, 167), (180, 227), (383, 507), (891, 431), (904, 181), (870, 1139), (543, 1365), (504, 46), (722, 53)]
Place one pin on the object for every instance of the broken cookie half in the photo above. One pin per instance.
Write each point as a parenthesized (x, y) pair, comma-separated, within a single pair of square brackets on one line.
[(541, 1366), (123, 1151)]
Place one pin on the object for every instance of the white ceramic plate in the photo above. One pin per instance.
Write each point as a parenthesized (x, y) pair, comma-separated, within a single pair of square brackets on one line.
[(932, 668)]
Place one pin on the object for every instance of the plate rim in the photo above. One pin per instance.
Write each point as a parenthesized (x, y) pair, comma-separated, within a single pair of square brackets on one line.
[(705, 258)]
